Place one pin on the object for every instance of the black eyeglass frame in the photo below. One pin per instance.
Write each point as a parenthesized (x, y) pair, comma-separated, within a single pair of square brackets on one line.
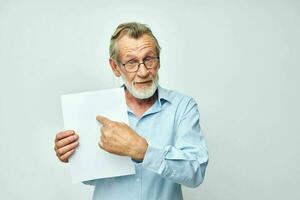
[(139, 63)]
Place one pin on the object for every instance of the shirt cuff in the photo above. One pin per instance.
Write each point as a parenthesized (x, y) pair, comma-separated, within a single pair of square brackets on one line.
[(153, 159)]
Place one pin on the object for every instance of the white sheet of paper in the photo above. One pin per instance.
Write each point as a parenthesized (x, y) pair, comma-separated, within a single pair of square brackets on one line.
[(90, 162)]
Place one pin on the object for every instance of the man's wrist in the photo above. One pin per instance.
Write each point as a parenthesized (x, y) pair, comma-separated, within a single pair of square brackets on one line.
[(140, 150)]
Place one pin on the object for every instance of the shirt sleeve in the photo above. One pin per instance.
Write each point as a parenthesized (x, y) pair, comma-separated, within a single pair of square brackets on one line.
[(184, 162)]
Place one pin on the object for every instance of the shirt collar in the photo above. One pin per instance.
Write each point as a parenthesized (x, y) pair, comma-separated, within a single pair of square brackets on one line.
[(163, 95)]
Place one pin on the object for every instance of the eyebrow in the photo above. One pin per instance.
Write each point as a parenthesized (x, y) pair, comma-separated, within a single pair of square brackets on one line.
[(133, 56)]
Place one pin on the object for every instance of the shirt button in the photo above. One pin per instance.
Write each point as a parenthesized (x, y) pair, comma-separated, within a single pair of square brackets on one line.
[(137, 180), (173, 173)]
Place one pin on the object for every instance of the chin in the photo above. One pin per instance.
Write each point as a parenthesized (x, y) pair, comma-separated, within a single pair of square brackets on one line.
[(143, 93), (143, 88)]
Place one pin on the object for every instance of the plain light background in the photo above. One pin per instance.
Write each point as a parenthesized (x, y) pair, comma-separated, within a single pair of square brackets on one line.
[(238, 59)]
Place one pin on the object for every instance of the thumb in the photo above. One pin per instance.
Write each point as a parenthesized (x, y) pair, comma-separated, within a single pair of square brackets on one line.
[(103, 120)]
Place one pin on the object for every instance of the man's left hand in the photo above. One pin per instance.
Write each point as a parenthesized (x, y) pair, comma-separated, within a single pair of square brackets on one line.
[(118, 138)]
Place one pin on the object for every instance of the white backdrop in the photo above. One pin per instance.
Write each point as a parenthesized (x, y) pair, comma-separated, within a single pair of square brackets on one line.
[(238, 59)]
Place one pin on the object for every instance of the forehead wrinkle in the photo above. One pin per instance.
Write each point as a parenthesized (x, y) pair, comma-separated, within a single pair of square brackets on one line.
[(138, 49), (137, 46)]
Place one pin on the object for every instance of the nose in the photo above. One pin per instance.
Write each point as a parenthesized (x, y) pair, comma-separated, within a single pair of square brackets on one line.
[(142, 71)]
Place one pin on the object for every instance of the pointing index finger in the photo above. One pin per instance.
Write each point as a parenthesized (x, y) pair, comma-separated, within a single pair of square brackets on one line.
[(103, 120)]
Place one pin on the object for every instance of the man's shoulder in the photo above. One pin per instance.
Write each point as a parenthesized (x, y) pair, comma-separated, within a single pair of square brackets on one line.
[(174, 96)]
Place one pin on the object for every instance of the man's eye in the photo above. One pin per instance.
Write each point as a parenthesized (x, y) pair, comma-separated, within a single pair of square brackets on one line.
[(131, 62), (148, 59)]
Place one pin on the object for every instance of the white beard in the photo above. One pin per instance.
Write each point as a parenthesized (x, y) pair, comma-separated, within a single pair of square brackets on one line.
[(144, 93)]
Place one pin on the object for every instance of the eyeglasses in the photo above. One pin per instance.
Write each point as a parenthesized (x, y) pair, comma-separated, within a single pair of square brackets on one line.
[(134, 65)]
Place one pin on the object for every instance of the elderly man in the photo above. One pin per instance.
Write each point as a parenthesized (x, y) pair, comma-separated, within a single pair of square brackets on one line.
[(163, 137)]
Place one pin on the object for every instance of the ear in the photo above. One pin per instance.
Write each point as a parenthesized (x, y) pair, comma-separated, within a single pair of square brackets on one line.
[(158, 67), (114, 67)]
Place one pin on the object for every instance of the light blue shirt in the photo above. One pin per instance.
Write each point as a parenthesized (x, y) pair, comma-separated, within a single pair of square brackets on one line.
[(176, 155)]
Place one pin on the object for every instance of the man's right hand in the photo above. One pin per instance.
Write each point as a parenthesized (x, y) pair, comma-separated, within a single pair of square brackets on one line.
[(66, 143)]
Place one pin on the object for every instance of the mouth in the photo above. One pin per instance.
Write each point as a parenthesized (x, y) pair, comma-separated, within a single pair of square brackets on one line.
[(143, 82)]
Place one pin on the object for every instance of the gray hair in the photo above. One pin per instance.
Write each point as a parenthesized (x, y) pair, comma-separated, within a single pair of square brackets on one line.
[(134, 30)]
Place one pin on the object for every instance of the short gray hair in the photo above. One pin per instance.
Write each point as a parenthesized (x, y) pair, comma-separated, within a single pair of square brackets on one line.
[(134, 30)]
